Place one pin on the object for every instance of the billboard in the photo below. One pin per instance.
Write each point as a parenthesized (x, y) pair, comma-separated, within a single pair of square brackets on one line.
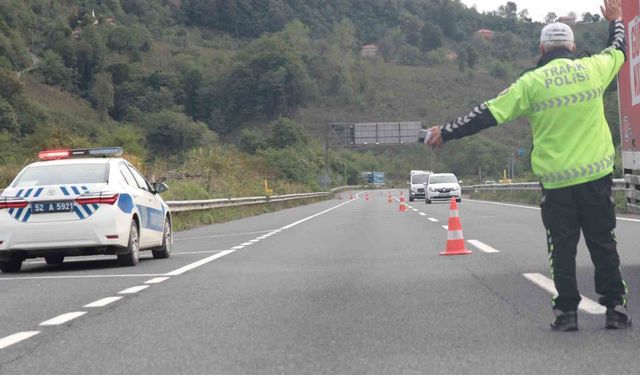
[(381, 133), (629, 89)]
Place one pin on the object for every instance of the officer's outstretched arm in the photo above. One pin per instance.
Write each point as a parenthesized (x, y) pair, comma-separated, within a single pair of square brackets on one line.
[(509, 105), (480, 118)]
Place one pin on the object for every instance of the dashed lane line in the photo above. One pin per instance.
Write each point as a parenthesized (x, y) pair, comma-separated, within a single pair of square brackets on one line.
[(538, 208), (133, 289), (197, 252), (62, 319), (483, 246), (222, 235), (433, 219), (422, 214), (587, 305), (103, 302), (16, 338), (446, 227), (157, 280)]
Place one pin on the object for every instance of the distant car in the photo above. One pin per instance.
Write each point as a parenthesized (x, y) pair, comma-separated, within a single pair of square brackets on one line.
[(417, 184), (489, 182), (82, 202), (443, 186)]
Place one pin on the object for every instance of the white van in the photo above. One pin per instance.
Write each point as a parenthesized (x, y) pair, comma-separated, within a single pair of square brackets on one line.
[(417, 183)]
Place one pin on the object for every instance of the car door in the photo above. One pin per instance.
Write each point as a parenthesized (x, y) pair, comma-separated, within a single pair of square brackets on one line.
[(150, 209)]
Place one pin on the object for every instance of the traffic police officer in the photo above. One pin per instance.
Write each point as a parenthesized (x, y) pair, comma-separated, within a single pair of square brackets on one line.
[(573, 156)]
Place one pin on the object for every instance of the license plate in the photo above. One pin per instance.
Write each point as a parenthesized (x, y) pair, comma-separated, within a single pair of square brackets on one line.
[(51, 207)]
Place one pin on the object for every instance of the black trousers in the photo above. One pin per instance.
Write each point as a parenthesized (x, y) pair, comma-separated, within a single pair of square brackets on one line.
[(588, 207)]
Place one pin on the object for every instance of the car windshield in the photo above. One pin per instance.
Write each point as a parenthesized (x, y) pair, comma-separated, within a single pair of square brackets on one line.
[(62, 175), (419, 179), (444, 179)]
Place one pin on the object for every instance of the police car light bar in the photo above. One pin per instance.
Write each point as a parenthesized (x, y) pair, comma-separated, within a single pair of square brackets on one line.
[(105, 152)]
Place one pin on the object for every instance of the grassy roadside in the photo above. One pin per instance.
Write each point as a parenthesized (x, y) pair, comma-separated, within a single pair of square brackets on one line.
[(533, 198), (193, 219)]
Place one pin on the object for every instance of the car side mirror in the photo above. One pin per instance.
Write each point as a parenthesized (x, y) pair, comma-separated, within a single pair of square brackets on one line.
[(160, 188)]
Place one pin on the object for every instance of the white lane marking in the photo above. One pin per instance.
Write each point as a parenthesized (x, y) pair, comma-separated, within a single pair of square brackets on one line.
[(538, 208), (16, 338), (206, 260), (446, 227), (586, 305), (199, 263), (422, 214), (504, 204), (78, 277), (222, 235), (246, 244), (483, 246), (133, 289), (415, 209), (237, 248), (103, 302), (156, 280), (197, 252), (314, 216), (64, 318), (254, 241), (433, 219)]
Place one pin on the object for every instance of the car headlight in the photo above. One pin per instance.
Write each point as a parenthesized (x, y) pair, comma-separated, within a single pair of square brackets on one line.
[(432, 189)]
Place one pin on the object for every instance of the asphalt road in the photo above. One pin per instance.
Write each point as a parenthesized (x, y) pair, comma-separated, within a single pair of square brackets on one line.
[(338, 287)]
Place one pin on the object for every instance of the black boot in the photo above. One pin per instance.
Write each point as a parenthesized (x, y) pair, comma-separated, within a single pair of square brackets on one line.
[(617, 318), (565, 321)]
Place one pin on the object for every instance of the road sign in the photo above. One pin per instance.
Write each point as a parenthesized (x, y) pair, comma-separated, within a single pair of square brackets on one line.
[(374, 133)]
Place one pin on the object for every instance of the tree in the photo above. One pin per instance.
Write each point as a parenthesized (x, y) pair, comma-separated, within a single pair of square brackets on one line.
[(104, 94), (523, 16), (587, 17), (54, 72), (287, 133), (8, 119), (431, 37), (509, 10), (550, 17), (463, 60)]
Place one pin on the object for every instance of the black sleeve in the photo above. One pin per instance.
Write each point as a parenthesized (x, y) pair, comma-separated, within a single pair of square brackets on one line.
[(617, 36), (480, 118)]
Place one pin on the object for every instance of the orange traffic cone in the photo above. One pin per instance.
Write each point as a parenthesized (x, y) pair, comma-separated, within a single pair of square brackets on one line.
[(403, 207), (455, 239)]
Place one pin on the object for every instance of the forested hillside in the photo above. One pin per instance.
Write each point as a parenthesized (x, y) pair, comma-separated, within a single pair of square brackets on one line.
[(217, 95)]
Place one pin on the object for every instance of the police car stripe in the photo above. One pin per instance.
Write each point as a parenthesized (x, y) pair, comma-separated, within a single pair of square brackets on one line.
[(28, 193), (19, 195), (27, 215), (95, 206), (87, 209), (78, 212), (38, 192), (17, 216), (64, 190), (75, 190), (84, 188)]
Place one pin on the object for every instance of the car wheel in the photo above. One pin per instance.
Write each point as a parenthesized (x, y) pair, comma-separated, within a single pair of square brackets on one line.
[(427, 201), (12, 265), (165, 251), (459, 200), (54, 259), (132, 256)]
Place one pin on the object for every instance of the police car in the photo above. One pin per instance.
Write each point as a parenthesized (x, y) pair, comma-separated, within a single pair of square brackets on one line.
[(82, 202)]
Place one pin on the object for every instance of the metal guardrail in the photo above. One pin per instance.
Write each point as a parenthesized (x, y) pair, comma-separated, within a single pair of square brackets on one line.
[(618, 185), (197, 205)]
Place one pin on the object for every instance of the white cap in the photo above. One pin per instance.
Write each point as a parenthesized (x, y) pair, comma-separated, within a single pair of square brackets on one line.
[(556, 32)]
